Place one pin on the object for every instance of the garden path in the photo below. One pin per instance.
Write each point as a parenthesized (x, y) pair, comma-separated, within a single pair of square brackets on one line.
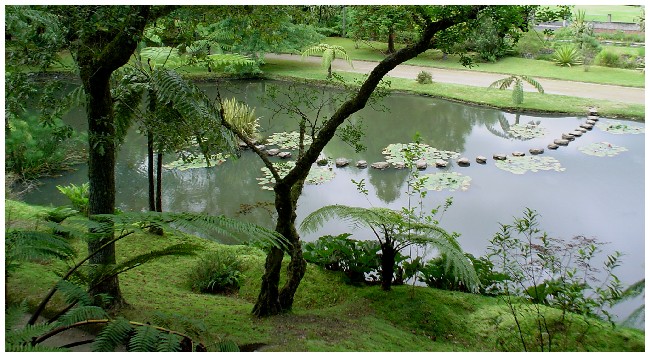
[(613, 93)]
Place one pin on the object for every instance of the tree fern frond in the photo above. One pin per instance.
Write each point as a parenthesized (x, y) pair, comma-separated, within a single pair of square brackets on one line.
[(146, 339), (533, 83), (81, 313), (74, 293), (192, 327), (29, 348), (502, 83), (30, 245), (169, 342), (183, 249), (357, 216), (115, 333), (227, 346), (225, 59), (518, 92), (25, 334), (13, 315), (168, 56)]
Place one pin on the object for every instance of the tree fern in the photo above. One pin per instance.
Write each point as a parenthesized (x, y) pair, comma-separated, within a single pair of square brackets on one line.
[(23, 246), (194, 328), (74, 293), (518, 88), (329, 53), (114, 334)]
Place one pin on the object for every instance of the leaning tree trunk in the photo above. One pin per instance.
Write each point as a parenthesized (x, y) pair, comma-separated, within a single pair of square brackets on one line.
[(269, 300), (99, 54)]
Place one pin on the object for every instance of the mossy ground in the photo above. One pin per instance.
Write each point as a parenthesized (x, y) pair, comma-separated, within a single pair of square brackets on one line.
[(328, 315)]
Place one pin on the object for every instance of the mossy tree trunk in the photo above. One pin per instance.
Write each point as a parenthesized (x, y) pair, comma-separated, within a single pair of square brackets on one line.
[(388, 254)]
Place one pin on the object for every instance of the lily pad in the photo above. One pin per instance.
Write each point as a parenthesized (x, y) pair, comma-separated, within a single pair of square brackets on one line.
[(602, 149), (395, 153), (446, 180), (526, 131), (196, 163), (287, 140), (521, 164), (619, 128), (316, 176)]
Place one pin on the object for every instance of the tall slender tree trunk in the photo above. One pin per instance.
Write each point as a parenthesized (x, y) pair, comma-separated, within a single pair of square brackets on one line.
[(391, 40), (159, 161), (150, 172)]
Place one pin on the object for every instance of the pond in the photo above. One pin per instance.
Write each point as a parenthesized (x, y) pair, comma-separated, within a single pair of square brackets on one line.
[(593, 196)]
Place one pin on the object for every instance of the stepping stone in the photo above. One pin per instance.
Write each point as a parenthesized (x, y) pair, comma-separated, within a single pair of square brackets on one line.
[(381, 165), (593, 117), (284, 155), (362, 164), (569, 137), (553, 146), (518, 153), (481, 159), (341, 162), (260, 147), (591, 121), (562, 142), (441, 163), (463, 161), (242, 145), (587, 126), (421, 164), (536, 151), (576, 133), (399, 165), (272, 152), (582, 130), (499, 156), (593, 111)]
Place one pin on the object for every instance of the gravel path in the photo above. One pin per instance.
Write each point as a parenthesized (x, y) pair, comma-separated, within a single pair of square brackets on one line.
[(482, 79)]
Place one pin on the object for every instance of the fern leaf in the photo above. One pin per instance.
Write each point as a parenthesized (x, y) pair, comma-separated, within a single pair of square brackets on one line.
[(115, 333), (227, 346), (30, 348), (169, 342), (13, 315), (81, 313), (502, 83), (145, 339), (533, 83), (74, 293), (25, 334), (518, 92), (28, 245), (176, 250)]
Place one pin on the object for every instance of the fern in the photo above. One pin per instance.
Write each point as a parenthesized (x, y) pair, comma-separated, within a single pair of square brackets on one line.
[(74, 293), (191, 327), (145, 339), (37, 348), (24, 335), (81, 313), (227, 346), (30, 245), (329, 53), (518, 88), (115, 333), (169, 342)]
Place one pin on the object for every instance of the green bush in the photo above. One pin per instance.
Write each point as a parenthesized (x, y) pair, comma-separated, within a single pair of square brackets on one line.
[(424, 77), (436, 274), (566, 56), (607, 59), (216, 273), (34, 149), (358, 260), (78, 196)]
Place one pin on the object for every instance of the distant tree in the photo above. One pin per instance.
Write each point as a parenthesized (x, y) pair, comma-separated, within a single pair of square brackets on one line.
[(329, 52), (381, 22)]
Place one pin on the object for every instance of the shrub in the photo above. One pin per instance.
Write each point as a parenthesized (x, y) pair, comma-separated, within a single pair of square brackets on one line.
[(78, 195), (357, 259), (424, 78), (216, 273), (34, 149), (607, 59), (436, 274), (566, 56)]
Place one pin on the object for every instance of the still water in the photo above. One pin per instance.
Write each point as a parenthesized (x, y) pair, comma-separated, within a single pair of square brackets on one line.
[(600, 197)]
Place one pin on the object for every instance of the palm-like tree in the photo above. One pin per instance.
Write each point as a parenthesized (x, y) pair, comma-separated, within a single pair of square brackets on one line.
[(330, 52), (518, 88), (395, 231)]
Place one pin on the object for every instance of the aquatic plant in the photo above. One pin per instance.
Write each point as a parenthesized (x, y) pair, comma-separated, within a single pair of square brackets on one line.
[(287, 140), (602, 149), (395, 153), (451, 181), (526, 131), (619, 128), (316, 176), (196, 163), (521, 164)]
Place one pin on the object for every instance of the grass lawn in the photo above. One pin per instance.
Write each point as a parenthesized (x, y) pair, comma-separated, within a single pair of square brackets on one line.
[(372, 51), (620, 13), (328, 315)]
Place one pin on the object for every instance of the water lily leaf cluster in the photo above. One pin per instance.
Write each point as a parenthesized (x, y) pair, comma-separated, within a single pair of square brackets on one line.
[(395, 153), (196, 162), (526, 131), (316, 176), (619, 128), (521, 164), (451, 181), (602, 149), (287, 140)]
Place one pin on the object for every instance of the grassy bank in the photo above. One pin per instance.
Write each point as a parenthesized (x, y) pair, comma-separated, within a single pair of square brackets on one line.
[(328, 315), (373, 51), (533, 101)]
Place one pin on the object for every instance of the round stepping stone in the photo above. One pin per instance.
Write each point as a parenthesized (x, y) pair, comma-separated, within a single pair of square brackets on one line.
[(421, 164), (576, 133), (593, 111), (381, 165), (591, 121), (553, 146), (362, 164), (399, 165), (284, 155), (562, 142), (260, 147), (481, 159), (272, 152), (341, 162), (587, 126), (518, 153), (593, 117), (441, 163), (582, 130), (569, 137), (463, 161), (536, 151), (499, 156)]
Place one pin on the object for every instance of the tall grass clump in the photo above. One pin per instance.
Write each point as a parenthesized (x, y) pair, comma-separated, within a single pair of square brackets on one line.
[(216, 273)]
